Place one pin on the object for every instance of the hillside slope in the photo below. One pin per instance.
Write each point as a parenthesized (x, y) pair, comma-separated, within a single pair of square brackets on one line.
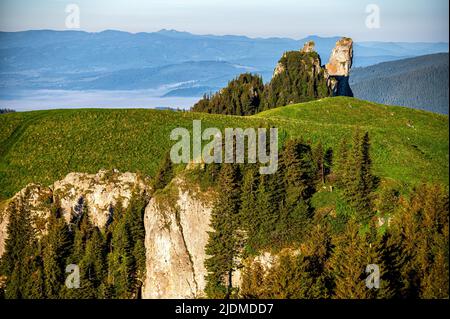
[(420, 82), (43, 146)]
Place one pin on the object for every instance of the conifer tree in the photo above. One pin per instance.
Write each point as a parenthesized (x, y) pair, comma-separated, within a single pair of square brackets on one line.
[(248, 210), (269, 199), (134, 219), (253, 282), (420, 230), (352, 252), (284, 280), (299, 174), (223, 244), (164, 174), (20, 259), (120, 261), (56, 249), (356, 179), (319, 159)]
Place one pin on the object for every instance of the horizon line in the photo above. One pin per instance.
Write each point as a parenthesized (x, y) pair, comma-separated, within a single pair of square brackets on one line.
[(212, 35)]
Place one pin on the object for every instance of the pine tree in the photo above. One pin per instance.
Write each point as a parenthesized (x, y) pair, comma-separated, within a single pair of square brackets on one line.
[(248, 210), (356, 179), (20, 260), (252, 282), (314, 256), (164, 174), (269, 199), (223, 243), (121, 261), (57, 244), (319, 160), (135, 223), (352, 252), (299, 174), (86, 254), (284, 280)]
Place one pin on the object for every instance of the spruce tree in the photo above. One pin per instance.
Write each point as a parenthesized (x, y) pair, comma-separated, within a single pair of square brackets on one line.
[(223, 244), (248, 210), (352, 252), (164, 174), (319, 160), (357, 180), (20, 262), (252, 282), (57, 244)]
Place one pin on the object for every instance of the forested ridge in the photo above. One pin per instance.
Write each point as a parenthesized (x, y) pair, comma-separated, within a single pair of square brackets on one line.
[(298, 78), (420, 82)]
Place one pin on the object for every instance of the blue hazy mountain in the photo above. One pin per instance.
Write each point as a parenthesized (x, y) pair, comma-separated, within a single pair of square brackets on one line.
[(183, 62), (419, 82)]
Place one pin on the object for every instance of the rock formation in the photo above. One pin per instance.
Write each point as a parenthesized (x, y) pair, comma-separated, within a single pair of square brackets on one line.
[(338, 67), (176, 227), (279, 68), (308, 47), (98, 192), (299, 75)]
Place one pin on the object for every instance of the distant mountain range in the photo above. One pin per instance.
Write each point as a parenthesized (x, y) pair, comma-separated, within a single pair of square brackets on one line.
[(180, 63), (420, 82)]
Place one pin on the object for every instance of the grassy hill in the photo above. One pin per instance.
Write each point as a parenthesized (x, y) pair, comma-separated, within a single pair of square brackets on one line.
[(409, 145)]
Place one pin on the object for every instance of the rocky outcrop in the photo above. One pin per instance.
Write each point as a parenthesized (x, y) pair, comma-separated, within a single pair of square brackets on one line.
[(99, 193), (341, 58), (308, 47), (300, 76), (279, 68), (338, 67), (176, 226)]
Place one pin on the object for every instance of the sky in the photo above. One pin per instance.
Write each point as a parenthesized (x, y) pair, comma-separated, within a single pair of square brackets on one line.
[(398, 20)]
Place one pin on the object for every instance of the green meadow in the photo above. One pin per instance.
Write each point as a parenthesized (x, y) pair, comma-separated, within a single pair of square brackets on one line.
[(408, 146)]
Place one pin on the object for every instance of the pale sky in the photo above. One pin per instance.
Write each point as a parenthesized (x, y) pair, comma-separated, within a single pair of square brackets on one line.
[(400, 20)]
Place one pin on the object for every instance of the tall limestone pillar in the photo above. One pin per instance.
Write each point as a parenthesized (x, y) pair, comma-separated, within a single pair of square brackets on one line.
[(338, 67)]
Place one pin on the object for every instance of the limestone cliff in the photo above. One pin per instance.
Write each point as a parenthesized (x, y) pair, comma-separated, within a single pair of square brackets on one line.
[(97, 192), (176, 226)]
